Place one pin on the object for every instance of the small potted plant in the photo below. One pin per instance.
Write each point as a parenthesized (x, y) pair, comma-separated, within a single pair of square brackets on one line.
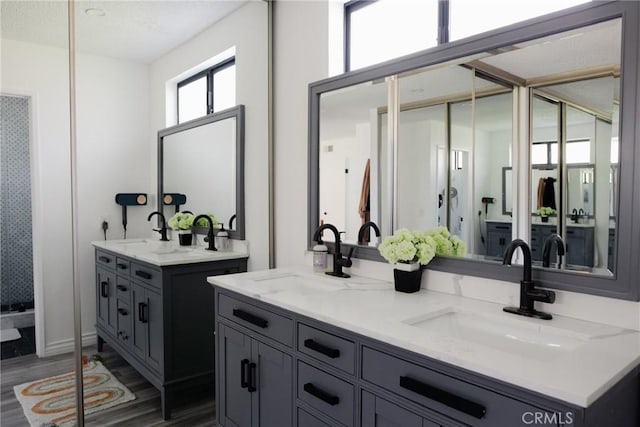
[(544, 213), (182, 222), (409, 250)]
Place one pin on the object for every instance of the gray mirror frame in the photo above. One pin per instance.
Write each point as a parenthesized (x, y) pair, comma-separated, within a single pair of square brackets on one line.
[(236, 112), (623, 284)]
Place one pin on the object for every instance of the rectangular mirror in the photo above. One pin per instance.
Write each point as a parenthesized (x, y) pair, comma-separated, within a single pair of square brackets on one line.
[(454, 131), (201, 168)]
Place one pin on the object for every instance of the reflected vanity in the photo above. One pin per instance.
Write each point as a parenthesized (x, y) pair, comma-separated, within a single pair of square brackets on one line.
[(479, 136), (201, 168)]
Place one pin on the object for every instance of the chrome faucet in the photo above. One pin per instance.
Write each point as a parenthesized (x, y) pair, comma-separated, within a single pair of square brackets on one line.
[(338, 261), (162, 230), (528, 292), (210, 236), (546, 251), (363, 229)]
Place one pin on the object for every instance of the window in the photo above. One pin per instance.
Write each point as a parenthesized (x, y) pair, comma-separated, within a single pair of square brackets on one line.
[(470, 17), (546, 152), (379, 30), (207, 92)]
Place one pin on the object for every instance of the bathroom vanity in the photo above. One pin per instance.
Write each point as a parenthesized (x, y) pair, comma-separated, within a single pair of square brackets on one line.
[(154, 307), (294, 348)]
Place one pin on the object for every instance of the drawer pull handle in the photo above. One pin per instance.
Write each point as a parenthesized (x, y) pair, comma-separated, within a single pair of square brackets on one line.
[(502, 227), (449, 399), (123, 311), (122, 266), (104, 259), (244, 365), (251, 318), (142, 315), (323, 349), (143, 274), (104, 289), (252, 378), (121, 288), (321, 394)]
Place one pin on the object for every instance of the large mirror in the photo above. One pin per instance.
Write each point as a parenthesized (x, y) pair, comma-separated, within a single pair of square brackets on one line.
[(201, 168), (479, 137)]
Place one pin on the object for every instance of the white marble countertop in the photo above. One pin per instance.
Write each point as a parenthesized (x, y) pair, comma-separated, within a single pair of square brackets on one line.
[(165, 253), (564, 358)]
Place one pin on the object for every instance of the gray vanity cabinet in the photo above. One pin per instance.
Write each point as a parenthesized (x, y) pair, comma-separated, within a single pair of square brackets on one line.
[(160, 319), (255, 380), (106, 309), (279, 368), (378, 412), (498, 237), (147, 325)]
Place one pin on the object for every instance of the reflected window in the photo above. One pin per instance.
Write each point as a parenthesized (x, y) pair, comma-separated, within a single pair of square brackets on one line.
[(385, 29), (208, 91), (464, 22)]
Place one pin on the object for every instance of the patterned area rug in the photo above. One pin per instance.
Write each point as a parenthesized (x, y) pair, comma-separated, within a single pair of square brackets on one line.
[(52, 400)]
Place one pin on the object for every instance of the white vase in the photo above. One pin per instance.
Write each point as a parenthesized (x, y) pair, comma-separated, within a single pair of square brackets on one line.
[(407, 266)]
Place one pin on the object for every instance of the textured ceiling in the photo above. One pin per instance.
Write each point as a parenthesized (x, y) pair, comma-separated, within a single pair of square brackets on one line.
[(137, 30)]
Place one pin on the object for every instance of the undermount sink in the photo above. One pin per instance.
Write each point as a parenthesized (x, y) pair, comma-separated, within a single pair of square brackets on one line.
[(525, 339), (299, 283)]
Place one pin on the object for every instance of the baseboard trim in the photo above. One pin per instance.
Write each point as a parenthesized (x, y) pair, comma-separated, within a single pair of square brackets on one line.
[(67, 346)]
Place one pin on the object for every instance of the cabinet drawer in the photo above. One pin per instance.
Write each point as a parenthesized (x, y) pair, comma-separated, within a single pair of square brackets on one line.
[(331, 349), (458, 399), (264, 322), (326, 393), (123, 289), (123, 266), (145, 274), (105, 259), (504, 227), (305, 419)]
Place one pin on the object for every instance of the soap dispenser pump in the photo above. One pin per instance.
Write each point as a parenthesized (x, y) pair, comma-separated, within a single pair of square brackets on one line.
[(222, 240), (320, 255)]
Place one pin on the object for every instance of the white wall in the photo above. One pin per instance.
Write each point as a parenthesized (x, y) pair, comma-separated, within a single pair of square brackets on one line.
[(112, 105), (300, 57), (246, 29)]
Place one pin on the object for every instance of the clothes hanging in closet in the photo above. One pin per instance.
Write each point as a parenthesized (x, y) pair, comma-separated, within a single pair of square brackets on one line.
[(364, 209)]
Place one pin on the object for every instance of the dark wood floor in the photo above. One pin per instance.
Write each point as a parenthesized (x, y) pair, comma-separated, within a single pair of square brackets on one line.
[(193, 411)]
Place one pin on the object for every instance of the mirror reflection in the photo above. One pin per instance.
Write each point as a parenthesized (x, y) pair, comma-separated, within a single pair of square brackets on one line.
[(199, 168), (435, 146)]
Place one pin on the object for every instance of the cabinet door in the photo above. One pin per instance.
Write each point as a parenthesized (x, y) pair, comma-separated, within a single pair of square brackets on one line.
[(153, 316), (106, 311), (234, 399), (378, 412), (139, 332), (273, 402)]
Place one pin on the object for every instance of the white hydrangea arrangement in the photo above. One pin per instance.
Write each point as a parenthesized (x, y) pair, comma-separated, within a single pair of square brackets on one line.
[(421, 247), (181, 221)]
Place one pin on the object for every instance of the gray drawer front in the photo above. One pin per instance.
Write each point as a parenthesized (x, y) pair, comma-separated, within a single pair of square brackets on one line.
[(504, 227), (105, 259), (331, 349), (326, 393), (305, 419), (123, 266), (145, 274), (123, 289), (450, 396), (264, 322)]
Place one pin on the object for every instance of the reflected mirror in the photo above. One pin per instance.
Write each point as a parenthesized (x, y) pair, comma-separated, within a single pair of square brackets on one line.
[(201, 168)]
